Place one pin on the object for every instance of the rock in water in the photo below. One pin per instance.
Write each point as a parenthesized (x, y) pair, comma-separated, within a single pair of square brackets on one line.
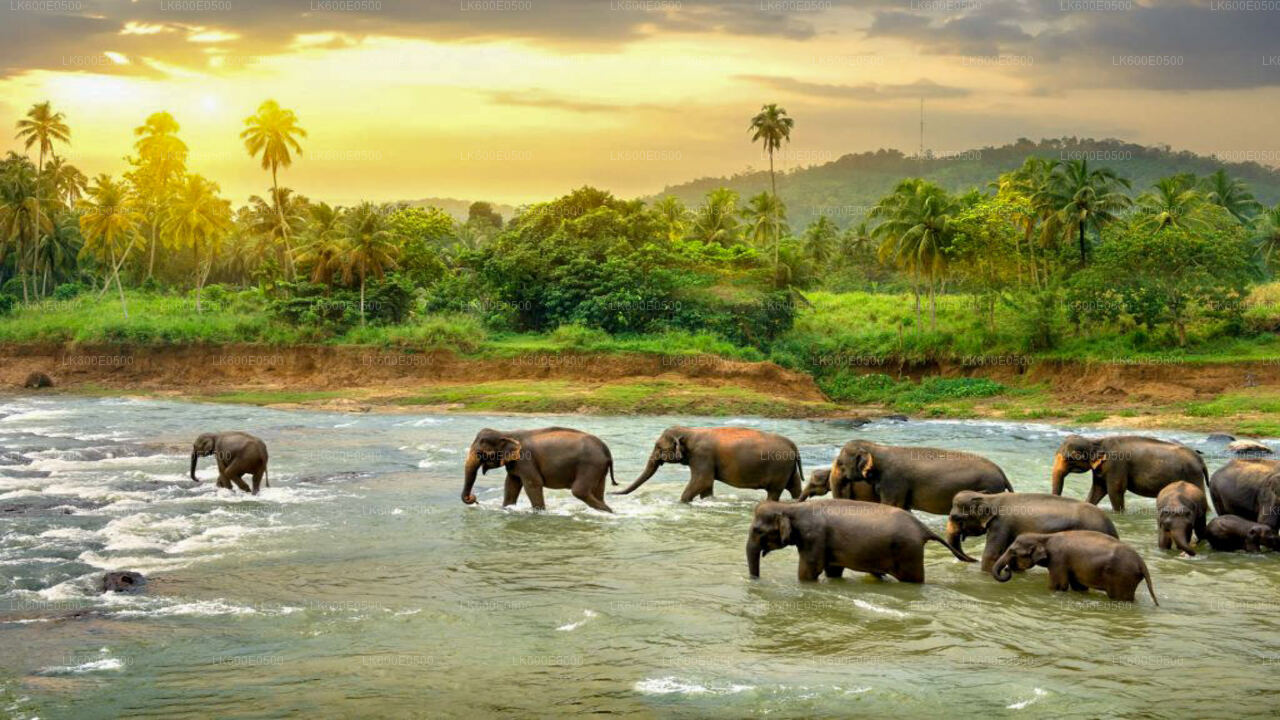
[(895, 418), (1221, 437), (1248, 447), (38, 380), (123, 581)]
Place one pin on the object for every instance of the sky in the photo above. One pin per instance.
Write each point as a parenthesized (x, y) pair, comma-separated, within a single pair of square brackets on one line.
[(522, 100)]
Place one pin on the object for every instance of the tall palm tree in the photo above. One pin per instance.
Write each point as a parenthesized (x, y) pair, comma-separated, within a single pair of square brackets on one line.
[(1028, 188), (1231, 195), (43, 126), (371, 248), (22, 220), (200, 219), (716, 220), (1086, 199), (766, 218), (854, 244), (820, 240), (1173, 202), (276, 221), (324, 249), (673, 215), (915, 232), (1268, 235), (273, 132), (771, 126), (109, 226), (159, 168), (65, 182), (54, 255)]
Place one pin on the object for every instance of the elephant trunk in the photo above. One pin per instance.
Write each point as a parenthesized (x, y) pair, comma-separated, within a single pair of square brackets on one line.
[(1060, 471), (473, 464), (650, 468), (804, 494), (1181, 538), (955, 536), (194, 458), (753, 557), (1001, 570)]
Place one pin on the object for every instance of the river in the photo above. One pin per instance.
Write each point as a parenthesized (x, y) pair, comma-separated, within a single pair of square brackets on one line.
[(359, 585)]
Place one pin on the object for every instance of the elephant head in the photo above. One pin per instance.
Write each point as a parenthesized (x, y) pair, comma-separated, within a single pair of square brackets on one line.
[(770, 530), (1026, 552), (489, 450), (1076, 454), (819, 484), (204, 446), (1179, 522), (1269, 501), (672, 446), (856, 461), (969, 516), (1260, 536)]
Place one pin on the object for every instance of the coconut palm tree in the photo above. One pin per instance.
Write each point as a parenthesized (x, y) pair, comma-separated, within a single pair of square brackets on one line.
[(273, 132), (22, 220), (1173, 202), (371, 246), (772, 127), (42, 126), (716, 220), (915, 233), (1231, 195), (276, 221), (54, 254), (820, 240), (766, 218), (1086, 199), (65, 182), (199, 219), (158, 171), (109, 225), (324, 249), (1267, 238), (674, 217)]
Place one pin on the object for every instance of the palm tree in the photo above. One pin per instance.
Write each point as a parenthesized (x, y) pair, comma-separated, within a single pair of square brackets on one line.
[(717, 218), (1268, 235), (371, 247), (109, 226), (1231, 195), (273, 132), (54, 254), (274, 222), (854, 244), (325, 251), (1028, 188), (820, 240), (1173, 202), (771, 126), (1086, 198), (915, 232), (673, 215), (158, 170), (21, 219), (65, 181), (766, 218), (43, 126), (200, 219)]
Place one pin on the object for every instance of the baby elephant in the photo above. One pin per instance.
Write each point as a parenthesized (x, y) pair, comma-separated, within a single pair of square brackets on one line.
[(238, 454), (1232, 532), (832, 535), (1078, 560), (820, 484), (1180, 509)]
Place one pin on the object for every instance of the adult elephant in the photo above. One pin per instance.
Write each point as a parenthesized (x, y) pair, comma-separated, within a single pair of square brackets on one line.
[(741, 457), (1249, 489), (552, 457), (238, 454), (914, 478), (820, 484), (1127, 463), (1003, 517)]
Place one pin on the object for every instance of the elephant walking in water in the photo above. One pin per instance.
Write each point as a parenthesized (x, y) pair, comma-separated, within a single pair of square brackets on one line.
[(554, 457), (1127, 463), (741, 457), (1249, 489), (238, 454), (913, 478)]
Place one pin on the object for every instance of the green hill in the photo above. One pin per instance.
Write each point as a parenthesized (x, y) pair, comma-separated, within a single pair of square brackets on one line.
[(845, 189)]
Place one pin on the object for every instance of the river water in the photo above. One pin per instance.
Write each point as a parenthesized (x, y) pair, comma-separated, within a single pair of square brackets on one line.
[(359, 585)]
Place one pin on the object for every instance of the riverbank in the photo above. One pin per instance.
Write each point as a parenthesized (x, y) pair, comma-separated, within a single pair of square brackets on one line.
[(1241, 398)]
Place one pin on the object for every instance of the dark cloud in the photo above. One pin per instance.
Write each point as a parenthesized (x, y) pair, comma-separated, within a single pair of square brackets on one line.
[(865, 92)]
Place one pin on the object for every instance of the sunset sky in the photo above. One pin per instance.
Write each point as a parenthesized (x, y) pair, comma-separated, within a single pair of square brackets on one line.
[(520, 100)]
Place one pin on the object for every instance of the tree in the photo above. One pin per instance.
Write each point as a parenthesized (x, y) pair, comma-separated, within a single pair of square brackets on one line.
[(64, 181), (820, 241), (324, 248), (1086, 199), (109, 225), (1173, 202), (21, 218), (157, 172), (716, 221), (273, 132), (54, 255), (1267, 237), (274, 222), (1231, 195), (915, 233), (771, 126), (482, 215), (766, 218), (371, 246), (673, 216), (200, 220), (43, 126)]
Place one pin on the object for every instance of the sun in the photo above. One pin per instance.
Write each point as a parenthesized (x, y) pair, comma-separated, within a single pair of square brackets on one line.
[(210, 103)]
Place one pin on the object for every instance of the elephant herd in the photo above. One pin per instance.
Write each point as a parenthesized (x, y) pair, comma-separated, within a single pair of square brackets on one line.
[(867, 526)]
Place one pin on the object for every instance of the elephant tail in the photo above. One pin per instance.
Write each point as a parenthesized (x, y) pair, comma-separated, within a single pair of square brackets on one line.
[(1008, 486), (960, 554), (612, 479), (266, 477), (1146, 574)]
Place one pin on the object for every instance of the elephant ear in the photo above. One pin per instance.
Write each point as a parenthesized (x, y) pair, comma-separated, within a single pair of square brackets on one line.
[(680, 444), (866, 463), (511, 450), (784, 529), (1098, 459), (1039, 553)]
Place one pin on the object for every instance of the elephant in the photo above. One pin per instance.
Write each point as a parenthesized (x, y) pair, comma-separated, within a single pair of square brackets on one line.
[(914, 478), (1232, 532), (1132, 463), (237, 453), (819, 485), (552, 457), (1180, 509), (38, 380), (1078, 560), (741, 457), (1248, 488), (832, 535), (1002, 517)]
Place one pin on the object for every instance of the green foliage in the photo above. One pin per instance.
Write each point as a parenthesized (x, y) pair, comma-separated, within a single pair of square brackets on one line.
[(7, 303), (880, 388)]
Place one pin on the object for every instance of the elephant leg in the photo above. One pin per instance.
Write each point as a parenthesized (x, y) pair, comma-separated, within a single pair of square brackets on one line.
[(511, 490), (1115, 492), (809, 569), (1059, 578), (233, 474), (1163, 540), (1095, 493), (585, 488), (257, 480), (795, 486), (702, 479), (534, 491), (835, 571), (773, 494), (910, 571), (527, 473), (708, 492), (999, 539)]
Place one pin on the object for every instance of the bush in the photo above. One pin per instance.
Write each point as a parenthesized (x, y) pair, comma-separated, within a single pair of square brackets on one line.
[(7, 303), (66, 291)]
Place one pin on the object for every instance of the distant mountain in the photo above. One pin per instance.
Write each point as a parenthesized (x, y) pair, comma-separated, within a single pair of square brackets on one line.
[(847, 188), (458, 208)]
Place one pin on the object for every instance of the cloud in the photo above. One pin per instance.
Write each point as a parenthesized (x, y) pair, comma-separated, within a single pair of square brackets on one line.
[(864, 92), (545, 100)]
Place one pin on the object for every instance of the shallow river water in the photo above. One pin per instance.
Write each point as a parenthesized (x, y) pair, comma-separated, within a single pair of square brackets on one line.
[(359, 585)]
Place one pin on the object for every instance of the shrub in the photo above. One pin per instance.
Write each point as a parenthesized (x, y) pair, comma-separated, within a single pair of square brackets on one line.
[(66, 291), (7, 303)]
